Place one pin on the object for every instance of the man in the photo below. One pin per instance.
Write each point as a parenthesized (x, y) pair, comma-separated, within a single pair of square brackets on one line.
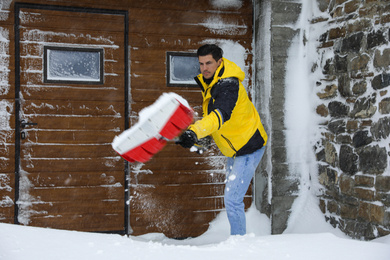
[(233, 122)]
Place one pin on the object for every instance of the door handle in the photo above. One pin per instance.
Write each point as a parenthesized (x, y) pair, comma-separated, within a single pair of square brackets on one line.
[(24, 123)]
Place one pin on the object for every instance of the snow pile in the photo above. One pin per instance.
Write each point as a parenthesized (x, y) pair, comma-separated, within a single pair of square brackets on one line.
[(20, 243)]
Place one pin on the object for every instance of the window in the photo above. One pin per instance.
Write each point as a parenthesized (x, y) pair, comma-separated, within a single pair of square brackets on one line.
[(73, 65), (181, 69)]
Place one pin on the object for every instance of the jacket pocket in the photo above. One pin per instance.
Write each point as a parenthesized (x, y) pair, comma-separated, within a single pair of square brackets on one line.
[(229, 143)]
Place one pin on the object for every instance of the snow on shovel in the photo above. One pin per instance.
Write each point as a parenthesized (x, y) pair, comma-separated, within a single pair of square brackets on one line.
[(163, 120)]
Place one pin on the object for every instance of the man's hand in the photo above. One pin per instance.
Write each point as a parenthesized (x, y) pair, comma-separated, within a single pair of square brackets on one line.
[(187, 139)]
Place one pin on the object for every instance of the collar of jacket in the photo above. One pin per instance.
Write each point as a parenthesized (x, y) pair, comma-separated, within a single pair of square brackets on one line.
[(217, 75)]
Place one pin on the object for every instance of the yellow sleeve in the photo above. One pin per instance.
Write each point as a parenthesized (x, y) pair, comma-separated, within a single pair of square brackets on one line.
[(207, 125)]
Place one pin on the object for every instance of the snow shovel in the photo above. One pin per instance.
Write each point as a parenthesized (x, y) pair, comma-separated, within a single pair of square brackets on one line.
[(164, 120)]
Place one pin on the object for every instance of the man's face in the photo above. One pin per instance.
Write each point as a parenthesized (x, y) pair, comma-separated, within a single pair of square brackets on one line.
[(208, 66)]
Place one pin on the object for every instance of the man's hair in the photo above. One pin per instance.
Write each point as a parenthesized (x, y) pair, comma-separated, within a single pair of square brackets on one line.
[(212, 49)]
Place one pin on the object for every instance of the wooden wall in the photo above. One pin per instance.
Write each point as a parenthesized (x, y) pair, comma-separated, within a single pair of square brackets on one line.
[(178, 192)]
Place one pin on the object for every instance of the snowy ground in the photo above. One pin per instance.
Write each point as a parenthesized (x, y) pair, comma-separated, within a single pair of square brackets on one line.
[(22, 242)]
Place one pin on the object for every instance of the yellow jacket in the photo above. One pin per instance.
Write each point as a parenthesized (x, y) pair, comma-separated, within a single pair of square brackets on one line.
[(228, 114)]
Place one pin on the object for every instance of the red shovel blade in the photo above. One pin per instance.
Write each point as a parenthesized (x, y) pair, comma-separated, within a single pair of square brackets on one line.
[(167, 118)]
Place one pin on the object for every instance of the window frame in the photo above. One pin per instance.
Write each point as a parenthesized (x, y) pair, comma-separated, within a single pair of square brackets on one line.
[(74, 49), (169, 54)]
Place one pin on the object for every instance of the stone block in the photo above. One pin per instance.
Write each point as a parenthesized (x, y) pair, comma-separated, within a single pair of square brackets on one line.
[(384, 106), (361, 138), (330, 91), (340, 2), (371, 213), (279, 153), (338, 109), (337, 126), (382, 183), (330, 154), (284, 187), (348, 211), (359, 62), (365, 194), (285, 12), (344, 139), (364, 181), (359, 88), (375, 38), (279, 170), (350, 200), (346, 184), (333, 207), (327, 176), (348, 160), (383, 197), (359, 25), (336, 33), (372, 159), (344, 86), (382, 58), (381, 129), (385, 19), (352, 126), (383, 231), (351, 6), (341, 63), (322, 206), (381, 81), (322, 110), (278, 137), (280, 208), (364, 107), (352, 43)]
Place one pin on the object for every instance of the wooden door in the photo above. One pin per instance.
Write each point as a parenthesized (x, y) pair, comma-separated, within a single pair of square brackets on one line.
[(71, 102)]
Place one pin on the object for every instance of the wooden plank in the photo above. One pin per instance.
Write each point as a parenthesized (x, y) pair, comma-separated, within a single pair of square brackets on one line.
[(105, 164), (76, 179), (111, 93), (7, 215), (151, 95), (72, 136), (190, 163), (67, 35), (63, 122), (71, 107), (68, 151), (182, 192), (193, 206), (174, 177), (86, 222), (7, 148), (7, 164), (189, 30), (79, 20), (180, 43), (77, 194), (98, 207), (171, 16)]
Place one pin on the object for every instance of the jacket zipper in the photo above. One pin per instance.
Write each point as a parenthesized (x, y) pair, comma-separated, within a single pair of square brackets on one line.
[(230, 143)]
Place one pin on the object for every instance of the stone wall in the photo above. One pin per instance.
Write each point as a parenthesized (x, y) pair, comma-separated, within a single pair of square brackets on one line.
[(354, 151)]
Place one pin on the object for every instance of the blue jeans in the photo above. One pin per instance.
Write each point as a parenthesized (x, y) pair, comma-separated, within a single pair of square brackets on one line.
[(239, 173)]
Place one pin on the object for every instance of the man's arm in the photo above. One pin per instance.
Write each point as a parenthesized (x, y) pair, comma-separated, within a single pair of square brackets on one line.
[(224, 99)]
